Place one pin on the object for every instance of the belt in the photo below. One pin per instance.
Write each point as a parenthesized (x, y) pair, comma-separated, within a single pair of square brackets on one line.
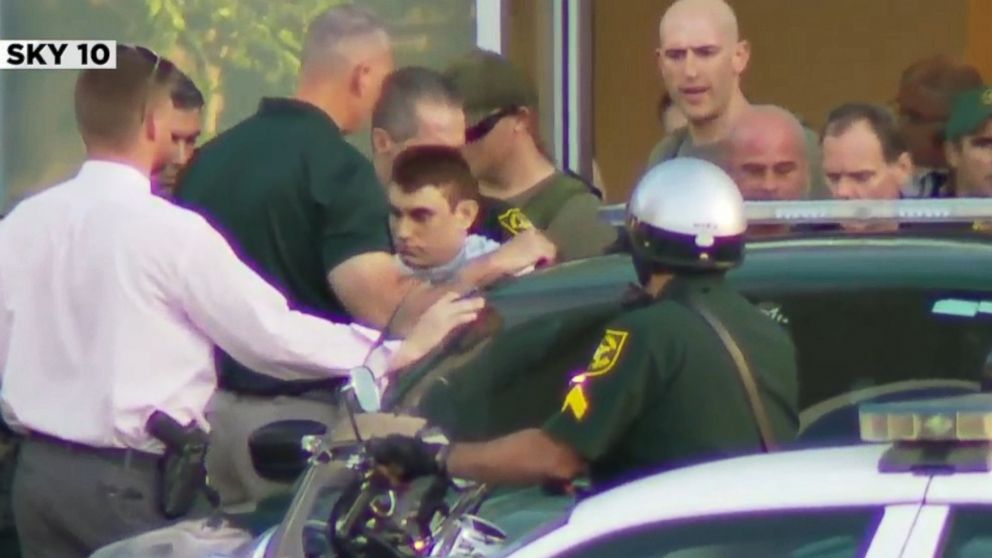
[(127, 455)]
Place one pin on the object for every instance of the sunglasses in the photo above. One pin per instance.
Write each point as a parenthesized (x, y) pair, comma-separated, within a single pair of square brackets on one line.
[(486, 125)]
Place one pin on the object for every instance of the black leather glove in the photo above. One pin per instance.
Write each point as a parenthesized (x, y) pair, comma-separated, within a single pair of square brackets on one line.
[(407, 458)]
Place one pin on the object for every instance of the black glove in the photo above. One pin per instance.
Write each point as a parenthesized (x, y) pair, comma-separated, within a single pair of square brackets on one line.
[(407, 458)]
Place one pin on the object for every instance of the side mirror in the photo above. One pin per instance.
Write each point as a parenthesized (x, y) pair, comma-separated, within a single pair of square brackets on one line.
[(366, 389), (277, 451)]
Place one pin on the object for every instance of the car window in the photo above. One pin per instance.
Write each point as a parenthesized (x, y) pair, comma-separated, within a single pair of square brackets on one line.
[(837, 533), (854, 339), (969, 533)]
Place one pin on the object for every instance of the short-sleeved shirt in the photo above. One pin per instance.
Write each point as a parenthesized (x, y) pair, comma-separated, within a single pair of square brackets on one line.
[(567, 210), (295, 200), (661, 390)]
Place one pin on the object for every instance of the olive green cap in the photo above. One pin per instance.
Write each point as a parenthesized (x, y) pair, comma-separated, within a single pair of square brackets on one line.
[(970, 111), (487, 82)]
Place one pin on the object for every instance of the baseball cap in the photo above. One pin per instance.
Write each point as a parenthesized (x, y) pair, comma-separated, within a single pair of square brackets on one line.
[(930, 85), (487, 82), (970, 111)]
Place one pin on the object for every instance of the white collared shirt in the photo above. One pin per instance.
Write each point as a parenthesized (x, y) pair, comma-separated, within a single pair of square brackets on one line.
[(111, 300)]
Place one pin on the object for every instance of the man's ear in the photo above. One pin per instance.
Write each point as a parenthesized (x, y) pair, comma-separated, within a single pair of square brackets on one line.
[(465, 213), (904, 165), (952, 153), (382, 142), (359, 81), (522, 119), (742, 55)]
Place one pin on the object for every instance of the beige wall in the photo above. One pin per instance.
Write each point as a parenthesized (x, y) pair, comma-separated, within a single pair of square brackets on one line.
[(808, 55)]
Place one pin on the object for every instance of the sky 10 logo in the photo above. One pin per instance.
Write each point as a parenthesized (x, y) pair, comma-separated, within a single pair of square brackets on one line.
[(57, 55)]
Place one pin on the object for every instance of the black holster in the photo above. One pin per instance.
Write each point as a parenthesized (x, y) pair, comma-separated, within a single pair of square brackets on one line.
[(182, 469)]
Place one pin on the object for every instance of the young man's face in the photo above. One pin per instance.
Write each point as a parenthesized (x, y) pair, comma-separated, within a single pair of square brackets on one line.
[(427, 230), (856, 168), (971, 159), (185, 128)]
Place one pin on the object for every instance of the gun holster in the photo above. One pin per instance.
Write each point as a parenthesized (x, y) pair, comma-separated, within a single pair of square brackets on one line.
[(182, 468)]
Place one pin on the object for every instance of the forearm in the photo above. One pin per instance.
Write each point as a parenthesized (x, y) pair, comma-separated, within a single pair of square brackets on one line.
[(525, 457)]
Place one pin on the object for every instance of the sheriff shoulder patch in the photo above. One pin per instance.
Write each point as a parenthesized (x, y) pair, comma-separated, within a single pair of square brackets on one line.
[(514, 221), (607, 353)]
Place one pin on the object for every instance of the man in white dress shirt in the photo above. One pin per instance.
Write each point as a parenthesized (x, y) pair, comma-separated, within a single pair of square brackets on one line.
[(111, 300)]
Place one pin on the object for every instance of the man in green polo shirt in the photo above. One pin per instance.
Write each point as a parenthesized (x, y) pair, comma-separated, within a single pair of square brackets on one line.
[(694, 373), (304, 208), (504, 150), (968, 146)]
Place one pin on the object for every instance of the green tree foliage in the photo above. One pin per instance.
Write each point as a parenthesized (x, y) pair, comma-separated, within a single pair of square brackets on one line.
[(217, 38)]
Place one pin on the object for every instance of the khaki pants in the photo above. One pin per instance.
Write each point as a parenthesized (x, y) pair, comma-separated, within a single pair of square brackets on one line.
[(233, 418)]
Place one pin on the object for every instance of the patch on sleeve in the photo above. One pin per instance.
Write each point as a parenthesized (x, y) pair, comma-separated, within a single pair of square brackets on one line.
[(514, 221), (576, 401), (607, 353)]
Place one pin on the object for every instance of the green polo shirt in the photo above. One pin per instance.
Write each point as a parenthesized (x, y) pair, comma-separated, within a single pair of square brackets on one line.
[(499, 220), (661, 390), (565, 208), (295, 200)]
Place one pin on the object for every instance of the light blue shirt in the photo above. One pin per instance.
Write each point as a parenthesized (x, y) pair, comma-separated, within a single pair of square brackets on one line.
[(473, 247)]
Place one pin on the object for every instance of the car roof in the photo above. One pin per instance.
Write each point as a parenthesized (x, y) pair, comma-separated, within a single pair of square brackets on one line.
[(934, 262), (817, 478)]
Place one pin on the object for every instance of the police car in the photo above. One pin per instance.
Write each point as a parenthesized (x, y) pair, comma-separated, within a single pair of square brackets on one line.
[(928, 494)]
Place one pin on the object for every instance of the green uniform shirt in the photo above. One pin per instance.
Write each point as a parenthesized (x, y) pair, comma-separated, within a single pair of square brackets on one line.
[(568, 212), (295, 200), (661, 390), (499, 221)]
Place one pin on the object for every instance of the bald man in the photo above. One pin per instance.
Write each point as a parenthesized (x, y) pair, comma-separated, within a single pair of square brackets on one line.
[(702, 57), (766, 155)]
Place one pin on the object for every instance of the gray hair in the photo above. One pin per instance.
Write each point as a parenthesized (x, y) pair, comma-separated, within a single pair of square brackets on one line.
[(396, 111), (330, 30)]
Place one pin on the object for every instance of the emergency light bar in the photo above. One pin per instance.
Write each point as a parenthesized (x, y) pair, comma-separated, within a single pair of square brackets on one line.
[(966, 418), (952, 210)]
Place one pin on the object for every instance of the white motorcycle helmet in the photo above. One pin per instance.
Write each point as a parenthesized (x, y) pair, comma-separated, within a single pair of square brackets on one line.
[(686, 215)]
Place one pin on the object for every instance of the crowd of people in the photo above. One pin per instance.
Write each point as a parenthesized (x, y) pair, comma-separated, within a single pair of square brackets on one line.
[(235, 284)]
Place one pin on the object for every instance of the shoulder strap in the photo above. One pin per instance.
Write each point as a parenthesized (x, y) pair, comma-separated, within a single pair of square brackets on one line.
[(743, 371)]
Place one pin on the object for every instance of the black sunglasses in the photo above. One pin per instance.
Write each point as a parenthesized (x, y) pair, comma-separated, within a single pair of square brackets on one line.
[(486, 125)]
